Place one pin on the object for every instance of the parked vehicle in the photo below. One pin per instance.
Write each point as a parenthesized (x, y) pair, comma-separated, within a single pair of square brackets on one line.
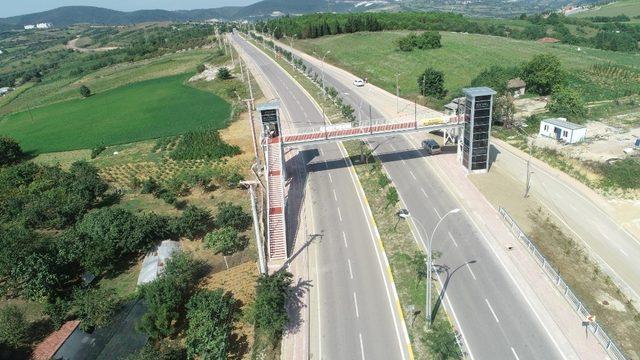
[(358, 82), (431, 146)]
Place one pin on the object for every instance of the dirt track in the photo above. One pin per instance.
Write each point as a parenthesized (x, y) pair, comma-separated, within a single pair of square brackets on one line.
[(71, 45)]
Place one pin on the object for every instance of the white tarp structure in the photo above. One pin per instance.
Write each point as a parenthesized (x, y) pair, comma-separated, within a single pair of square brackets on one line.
[(155, 261)]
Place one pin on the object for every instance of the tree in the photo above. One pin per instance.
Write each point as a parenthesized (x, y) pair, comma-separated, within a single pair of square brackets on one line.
[(495, 77), (10, 151), (406, 43), (534, 32), (223, 73), (504, 110), (543, 73), (210, 315), (419, 264), (167, 295), (105, 235), (200, 68), (268, 312), (567, 102), (85, 91), (194, 221), (428, 40), (431, 83), (230, 215), (166, 350), (392, 196), (225, 240), (442, 341), (57, 310), (14, 328), (95, 307)]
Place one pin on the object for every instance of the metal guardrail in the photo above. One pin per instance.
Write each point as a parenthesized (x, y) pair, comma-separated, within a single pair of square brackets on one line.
[(595, 328)]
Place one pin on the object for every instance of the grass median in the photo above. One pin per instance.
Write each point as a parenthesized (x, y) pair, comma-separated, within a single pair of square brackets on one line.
[(406, 261)]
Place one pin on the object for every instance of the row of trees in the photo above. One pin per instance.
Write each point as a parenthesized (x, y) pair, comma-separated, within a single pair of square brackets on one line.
[(612, 35)]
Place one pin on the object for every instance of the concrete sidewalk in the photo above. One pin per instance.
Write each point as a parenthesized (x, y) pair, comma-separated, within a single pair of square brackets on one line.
[(564, 325)]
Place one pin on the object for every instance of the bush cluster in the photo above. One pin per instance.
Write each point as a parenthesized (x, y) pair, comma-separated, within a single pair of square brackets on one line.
[(426, 40)]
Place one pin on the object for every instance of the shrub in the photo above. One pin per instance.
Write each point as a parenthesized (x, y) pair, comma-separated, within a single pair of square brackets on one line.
[(225, 240), (85, 91), (230, 215), (14, 328), (392, 196), (431, 83), (194, 221), (624, 174), (201, 68), (95, 307), (543, 73), (97, 150), (167, 295), (210, 315), (57, 310), (567, 102), (268, 312), (383, 180), (149, 186), (223, 73), (442, 341), (205, 145), (10, 151)]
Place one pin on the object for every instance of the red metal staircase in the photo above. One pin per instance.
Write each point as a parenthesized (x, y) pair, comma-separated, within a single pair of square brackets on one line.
[(276, 225)]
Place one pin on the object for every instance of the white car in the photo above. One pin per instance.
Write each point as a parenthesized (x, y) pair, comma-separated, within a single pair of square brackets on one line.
[(358, 82)]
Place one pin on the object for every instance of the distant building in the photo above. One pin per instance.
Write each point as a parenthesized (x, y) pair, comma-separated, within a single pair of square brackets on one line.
[(548, 40), (563, 130), (40, 26), (454, 107), (516, 87), (5, 90)]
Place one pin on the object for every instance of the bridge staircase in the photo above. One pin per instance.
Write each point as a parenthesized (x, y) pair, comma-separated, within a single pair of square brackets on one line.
[(276, 225)]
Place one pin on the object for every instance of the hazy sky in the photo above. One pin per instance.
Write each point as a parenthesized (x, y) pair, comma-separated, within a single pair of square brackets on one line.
[(19, 7)]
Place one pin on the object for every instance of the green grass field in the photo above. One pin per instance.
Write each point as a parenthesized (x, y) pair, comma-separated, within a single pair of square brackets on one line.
[(461, 58), (631, 8), (139, 111)]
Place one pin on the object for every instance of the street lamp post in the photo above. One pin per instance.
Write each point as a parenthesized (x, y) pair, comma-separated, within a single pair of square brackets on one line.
[(527, 185), (404, 213), (273, 40), (397, 93), (324, 91)]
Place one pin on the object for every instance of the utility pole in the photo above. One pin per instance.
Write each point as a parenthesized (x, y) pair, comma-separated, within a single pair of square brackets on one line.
[(324, 91), (397, 93), (241, 71), (254, 211), (253, 131), (232, 59), (250, 88)]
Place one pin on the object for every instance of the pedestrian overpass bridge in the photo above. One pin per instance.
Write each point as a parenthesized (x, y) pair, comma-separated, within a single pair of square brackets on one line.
[(274, 140)]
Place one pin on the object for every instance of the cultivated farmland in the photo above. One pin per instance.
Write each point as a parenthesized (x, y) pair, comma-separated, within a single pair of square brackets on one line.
[(144, 110), (461, 58)]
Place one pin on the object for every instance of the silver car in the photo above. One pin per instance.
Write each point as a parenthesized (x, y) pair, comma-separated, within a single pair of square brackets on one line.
[(431, 147)]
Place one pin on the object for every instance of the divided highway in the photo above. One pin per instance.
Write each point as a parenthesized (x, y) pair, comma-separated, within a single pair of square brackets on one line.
[(352, 312), (496, 319)]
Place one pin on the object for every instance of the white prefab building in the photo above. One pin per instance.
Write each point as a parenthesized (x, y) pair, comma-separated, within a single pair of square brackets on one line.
[(563, 130)]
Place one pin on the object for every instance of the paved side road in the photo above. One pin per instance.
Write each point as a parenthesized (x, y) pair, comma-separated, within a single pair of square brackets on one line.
[(499, 316), (353, 315), (583, 212)]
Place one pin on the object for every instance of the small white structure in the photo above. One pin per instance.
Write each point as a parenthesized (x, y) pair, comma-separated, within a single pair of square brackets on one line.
[(517, 87), (5, 90), (454, 107), (563, 130), (44, 26), (154, 262), (29, 27)]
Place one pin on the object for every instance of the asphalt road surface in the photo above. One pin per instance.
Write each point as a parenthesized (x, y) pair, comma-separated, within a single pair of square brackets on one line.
[(352, 315), (496, 319)]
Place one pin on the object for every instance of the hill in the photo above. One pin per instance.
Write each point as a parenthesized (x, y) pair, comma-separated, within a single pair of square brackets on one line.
[(69, 15), (630, 8)]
